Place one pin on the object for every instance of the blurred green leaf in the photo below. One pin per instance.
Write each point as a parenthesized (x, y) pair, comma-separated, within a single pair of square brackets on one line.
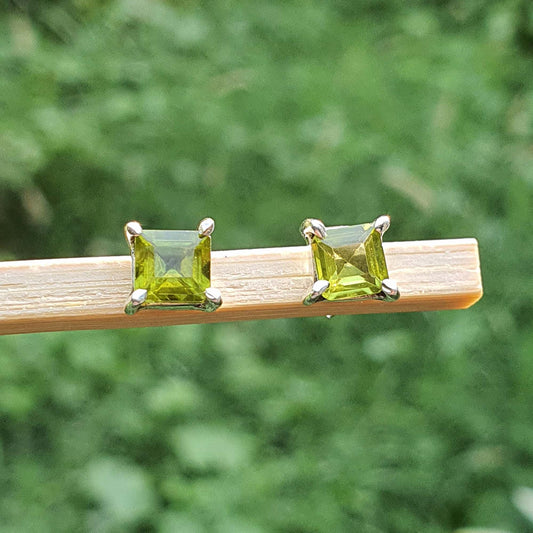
[(123, 492)]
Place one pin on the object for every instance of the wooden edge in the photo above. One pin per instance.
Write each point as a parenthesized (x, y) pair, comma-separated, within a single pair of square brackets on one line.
[(89, 293)]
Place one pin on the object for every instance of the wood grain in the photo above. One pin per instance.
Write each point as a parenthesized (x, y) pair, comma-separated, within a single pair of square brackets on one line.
[(89, 293)]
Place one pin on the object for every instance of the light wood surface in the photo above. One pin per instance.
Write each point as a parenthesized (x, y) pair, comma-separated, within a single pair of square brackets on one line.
[(90, 293)]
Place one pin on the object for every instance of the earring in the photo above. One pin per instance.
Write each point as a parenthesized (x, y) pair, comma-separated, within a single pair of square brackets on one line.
[(349, 262), (171, 269)]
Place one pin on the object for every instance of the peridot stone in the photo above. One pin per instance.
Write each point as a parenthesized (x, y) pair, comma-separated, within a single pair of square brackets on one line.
[(351, 258), (173, 266)]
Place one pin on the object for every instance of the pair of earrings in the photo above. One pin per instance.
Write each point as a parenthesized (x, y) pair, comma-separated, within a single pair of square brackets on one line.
[(172, 269)]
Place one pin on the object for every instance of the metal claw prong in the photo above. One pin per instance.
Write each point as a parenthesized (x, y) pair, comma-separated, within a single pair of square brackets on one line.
[(312, 227), (214, 299), (382, 224), (137, 298), (389, 289), (318, 289), (131, 230), (206, 227)]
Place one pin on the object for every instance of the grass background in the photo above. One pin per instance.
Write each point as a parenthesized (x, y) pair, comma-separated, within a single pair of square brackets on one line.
[(260, 114)]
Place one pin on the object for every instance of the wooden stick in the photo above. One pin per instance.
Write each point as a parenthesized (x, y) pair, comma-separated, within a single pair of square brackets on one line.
[(90, 293)]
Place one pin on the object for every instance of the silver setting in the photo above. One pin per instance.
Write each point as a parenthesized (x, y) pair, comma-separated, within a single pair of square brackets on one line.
[(312, 227), (135, 301), (318, 289), (206, 227), (389, 291), (382, 224), (214, 299), (131, 230)]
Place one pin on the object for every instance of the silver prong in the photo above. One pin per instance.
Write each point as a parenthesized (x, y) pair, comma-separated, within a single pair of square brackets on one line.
[(214, 299), (137, 298), (318, 289), (312, 227), (389, 289), (131, 230), (206, 227), (382, 224)]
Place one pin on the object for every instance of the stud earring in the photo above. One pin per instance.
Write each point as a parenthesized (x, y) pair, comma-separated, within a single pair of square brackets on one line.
[(171, 269), (349, 262)]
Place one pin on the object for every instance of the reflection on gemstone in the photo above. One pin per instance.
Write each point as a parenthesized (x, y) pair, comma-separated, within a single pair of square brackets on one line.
[(351, 258), (173, 266)]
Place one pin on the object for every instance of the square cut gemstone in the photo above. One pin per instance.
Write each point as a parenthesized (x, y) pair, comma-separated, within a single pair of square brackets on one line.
[(173, 266), (351, 258)]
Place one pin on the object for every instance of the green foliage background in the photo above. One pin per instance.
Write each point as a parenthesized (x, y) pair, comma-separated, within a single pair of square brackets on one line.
[(260, 114)]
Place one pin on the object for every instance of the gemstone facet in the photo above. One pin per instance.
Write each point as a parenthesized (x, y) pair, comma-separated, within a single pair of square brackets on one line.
[(351, 259), (174, 267)]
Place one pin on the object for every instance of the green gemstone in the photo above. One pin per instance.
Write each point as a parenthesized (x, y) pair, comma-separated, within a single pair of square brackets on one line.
[(351, 258), (173, 266)]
